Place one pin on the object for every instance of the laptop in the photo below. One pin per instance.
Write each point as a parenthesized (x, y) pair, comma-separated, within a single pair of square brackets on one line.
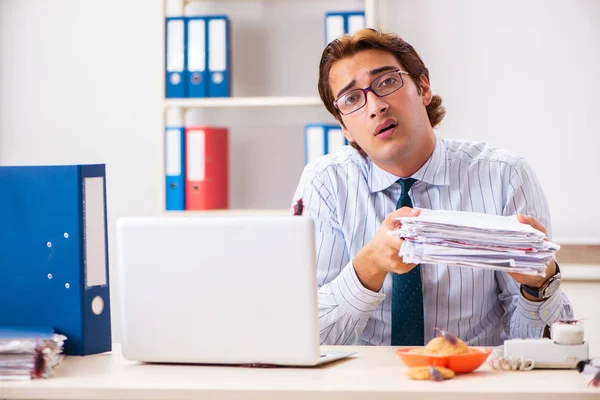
[(219, 290)]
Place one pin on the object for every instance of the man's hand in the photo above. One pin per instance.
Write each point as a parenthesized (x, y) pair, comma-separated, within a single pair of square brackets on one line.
[(380, 255), (531, 280)]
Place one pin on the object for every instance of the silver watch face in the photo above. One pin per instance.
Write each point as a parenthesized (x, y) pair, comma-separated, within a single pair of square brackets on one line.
[(553, 285)]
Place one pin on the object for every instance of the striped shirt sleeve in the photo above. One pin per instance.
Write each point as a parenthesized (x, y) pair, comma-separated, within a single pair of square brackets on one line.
[(345, 305), (525, 318)]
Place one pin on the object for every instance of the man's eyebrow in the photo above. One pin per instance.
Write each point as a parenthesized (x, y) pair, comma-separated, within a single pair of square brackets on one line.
[(348, 86), (373, 72), (379, 70)]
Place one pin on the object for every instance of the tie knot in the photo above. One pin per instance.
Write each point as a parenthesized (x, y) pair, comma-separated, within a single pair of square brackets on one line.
[(406, 184)]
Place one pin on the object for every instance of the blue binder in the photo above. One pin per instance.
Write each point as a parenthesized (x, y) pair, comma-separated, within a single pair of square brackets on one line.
[(54, 253), (175, 165), (196, 42), (321, 139), (218, 56), (343, 22), (175, 33)]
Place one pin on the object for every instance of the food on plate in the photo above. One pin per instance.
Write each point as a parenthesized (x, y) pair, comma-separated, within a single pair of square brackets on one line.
[(444, 345), (425, 373), (446, 351)]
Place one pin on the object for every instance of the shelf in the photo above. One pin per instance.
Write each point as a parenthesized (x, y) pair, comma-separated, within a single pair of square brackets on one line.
[(231, 212), (245, 102)]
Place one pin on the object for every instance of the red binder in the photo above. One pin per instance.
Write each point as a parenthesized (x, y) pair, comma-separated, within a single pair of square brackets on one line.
[(206, 169)]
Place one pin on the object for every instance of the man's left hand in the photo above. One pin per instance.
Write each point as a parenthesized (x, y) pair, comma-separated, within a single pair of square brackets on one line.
[(533, 280)]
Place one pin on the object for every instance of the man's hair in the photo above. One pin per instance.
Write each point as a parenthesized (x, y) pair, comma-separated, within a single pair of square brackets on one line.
[(366, 39)]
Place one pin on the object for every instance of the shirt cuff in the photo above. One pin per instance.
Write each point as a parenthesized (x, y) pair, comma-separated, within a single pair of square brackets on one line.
[(352, 295), (541, 312)]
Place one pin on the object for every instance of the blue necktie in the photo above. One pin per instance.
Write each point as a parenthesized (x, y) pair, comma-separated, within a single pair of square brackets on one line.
[(407, 294)]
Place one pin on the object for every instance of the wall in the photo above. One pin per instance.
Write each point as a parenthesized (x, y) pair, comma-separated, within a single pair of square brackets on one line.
[(522, 75)]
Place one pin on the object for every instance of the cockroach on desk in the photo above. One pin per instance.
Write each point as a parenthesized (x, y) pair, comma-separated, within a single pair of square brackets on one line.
[(298, 207), (435, 375)]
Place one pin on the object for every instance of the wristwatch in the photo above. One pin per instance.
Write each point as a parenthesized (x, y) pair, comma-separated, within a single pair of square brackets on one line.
[(547, 289)]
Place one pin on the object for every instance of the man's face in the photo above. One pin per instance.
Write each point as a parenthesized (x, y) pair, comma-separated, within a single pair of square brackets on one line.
[(404, 110)]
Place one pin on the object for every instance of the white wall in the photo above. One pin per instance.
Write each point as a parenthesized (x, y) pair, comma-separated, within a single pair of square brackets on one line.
[(522, 75), (81, 82)]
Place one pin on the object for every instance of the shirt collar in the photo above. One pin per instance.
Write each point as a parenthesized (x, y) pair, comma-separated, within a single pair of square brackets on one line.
[(435, 170)]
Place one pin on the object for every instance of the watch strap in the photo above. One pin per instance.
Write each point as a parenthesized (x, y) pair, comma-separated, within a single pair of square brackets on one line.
[(537, 292)]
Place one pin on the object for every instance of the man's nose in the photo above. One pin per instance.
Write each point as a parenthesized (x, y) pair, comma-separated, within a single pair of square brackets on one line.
[(376, 105)]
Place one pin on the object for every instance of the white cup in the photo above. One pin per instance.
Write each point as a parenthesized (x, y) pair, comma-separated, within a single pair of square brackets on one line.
[(567, 333)]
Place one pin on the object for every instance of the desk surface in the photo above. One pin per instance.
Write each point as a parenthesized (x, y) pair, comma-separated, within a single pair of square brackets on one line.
[(375, 372)]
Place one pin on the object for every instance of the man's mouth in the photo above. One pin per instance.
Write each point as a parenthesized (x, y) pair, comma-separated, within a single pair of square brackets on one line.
[(385, 126)]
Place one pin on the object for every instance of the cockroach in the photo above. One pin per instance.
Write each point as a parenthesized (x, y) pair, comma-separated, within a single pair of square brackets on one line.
[(449, 336), (595, 382), (581, 365), (588, 366), (39, 362), (435, 375), (298, 207)]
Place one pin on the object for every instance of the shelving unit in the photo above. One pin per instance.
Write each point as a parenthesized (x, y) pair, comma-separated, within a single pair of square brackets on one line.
[(372, 10)]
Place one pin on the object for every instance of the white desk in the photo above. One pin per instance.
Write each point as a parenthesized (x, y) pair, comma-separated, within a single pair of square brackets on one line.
[(376, 373)]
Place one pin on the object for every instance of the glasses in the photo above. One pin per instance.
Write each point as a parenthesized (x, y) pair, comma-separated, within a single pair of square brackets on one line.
[(383, 86)]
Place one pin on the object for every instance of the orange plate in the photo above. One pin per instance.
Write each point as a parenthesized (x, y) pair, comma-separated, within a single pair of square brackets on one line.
[(459, 363)]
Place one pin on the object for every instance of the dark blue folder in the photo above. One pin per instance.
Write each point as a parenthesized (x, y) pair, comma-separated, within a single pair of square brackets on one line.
[(54, 253)]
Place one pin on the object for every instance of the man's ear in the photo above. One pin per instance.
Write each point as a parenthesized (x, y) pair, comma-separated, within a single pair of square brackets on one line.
[(425, 90)]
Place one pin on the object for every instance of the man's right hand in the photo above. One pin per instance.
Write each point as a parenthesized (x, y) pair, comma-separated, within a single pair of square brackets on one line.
[(380, 255)]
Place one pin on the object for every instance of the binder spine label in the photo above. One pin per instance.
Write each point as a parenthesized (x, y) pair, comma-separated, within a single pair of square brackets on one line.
[(315, 143), (175, 37), (196, 168), (355, 23), (217, 37), (196, 43), (173, 152), (94, 233)]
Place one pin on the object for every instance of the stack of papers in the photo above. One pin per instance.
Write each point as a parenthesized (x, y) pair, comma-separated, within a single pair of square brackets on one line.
[(27, 353), (475, 240)]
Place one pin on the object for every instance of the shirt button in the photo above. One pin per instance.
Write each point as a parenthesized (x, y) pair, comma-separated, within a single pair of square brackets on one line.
[(531, 313), (545, 313)]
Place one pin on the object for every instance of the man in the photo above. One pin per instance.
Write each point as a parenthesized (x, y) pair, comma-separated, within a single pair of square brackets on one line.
[(377, 87)]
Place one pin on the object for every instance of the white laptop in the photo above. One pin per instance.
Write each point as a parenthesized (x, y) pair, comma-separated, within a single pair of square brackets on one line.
[(219, 290)]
